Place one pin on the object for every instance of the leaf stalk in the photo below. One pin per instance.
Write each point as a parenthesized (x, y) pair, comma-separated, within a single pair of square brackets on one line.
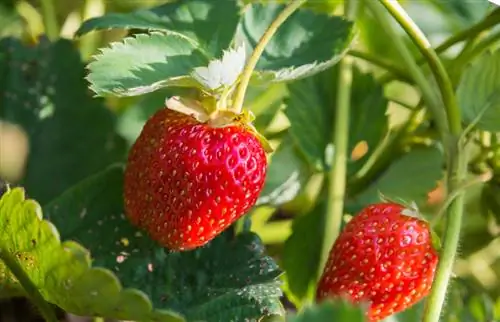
[(50, 19), (246, 75)]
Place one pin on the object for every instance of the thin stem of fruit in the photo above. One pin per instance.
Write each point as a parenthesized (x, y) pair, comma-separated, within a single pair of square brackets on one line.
[(395, 70), (246, 75), (337, 175), (429, 95), (437, 67), (50, 19), (31, 290)]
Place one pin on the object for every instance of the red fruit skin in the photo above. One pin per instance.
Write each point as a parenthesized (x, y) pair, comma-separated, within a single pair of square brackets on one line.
[(185, 182), (383, 258)]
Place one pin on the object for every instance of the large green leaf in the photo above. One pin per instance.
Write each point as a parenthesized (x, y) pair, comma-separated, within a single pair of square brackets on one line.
[(286, 175), (479, 92), (71, 135), (229, 279), (144, 63), (305, 44), (311, 107), (301, 255), (200, 20), (62, 271), (411, 177)]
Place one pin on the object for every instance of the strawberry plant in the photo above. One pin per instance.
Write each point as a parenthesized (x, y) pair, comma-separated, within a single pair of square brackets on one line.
[(245, 160)]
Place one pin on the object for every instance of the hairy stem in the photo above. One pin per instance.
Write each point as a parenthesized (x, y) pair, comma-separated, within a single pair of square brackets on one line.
[(437, 67), (429, 95), (50, 19), (337, 174), (246, 75), (456, 165), (491, 20), (31, 290)]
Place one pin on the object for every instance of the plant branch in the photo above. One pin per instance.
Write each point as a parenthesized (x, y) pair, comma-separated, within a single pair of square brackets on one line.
[(337, 175), (429, 95), (456, 165), (259, 49), (491, 20), (393, 69), (437, 67), (31, 290), (50, 19)]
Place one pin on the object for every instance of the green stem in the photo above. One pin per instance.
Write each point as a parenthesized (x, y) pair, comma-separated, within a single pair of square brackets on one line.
[(437, 67), (337, 175), (31, 290), (50, 19), (456, 165), (471, 32), (431, 99), (393, 69), (259, 49)]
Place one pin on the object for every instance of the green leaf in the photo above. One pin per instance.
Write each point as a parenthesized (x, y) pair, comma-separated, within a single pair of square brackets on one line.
[(311, 106), (330, 311), (304, 45), (301, 254), (410, 178), (71, 135), (479, 92), (199, 20), (61, 271), (145, 63), (229, 279), (287, 175)]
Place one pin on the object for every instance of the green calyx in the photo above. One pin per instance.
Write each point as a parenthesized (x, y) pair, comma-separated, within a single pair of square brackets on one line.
[(209, 112)]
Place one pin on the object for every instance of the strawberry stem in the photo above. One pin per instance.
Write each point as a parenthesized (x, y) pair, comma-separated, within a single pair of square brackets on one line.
[(337, 174), (31, 289), (456, 165), (246, 75)]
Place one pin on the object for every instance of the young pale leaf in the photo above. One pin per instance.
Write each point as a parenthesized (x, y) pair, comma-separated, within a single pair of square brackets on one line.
[(145, 63), (479, 93), (330, 311), (71, 134), (200, 20), (62, 271), (229, 279), (287, 174), (305, 44), (222, 73), (411, 177), (311, 106)]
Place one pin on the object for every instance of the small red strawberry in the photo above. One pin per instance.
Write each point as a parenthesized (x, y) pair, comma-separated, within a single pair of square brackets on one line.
[(384, 257), (186, 181)]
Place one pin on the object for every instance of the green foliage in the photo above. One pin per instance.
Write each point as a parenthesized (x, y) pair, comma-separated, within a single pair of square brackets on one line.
[(299, 47), (42, 88), (62, 271), (124, 70), (198, 20), (228, 279), (479, 93), (312, 101), (330, 311), (400, 178), (287, 174)]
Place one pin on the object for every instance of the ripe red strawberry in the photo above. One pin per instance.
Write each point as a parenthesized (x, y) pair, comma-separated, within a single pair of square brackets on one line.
[(187, 181), (383, 257)]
